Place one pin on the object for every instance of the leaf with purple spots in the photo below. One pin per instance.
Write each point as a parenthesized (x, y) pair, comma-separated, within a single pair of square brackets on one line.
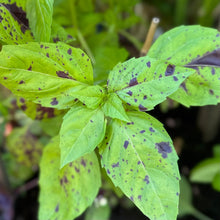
[(28, 72), (113, 108), (24, 146), (13, 31), (81, 131), (201, 88), (71, 189), (36, 111), (200, 50), (143, 157), (185, 44), (152, 85), (58, 33)]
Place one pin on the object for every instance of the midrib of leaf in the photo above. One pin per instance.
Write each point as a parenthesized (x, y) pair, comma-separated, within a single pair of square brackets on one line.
[(136, 153), (52, 76)]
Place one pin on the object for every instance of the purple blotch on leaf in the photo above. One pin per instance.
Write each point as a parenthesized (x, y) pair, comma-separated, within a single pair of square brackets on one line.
[(22, 100), (142, 131), (151, 129), (142, 108), (54, 101), (76, 169), (108, 171), (133, 82), (170, 70), (139, 197), (213, 71), (129, 93), (209, 59), (126, 144), (148, 64), (163, 148), (62, 74), (21, 82), (183, 85), (115, 165), (69, 51), (57, 208), (211, 92), (146, 179), (145, 97), (175, 78), (83, 162)]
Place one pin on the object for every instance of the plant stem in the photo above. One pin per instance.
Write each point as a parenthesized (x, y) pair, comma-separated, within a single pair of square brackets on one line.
[(85, 46), (150, 35), (79, 34), (29, 185), (131, 38)]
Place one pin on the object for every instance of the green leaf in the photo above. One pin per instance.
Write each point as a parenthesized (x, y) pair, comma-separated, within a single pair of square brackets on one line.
[(58, 33), (51, 126), (39, 14), (19, 3), (98, 211), (24, 146), (201, 88), (185, 204), (197, 48), (45, 73), (91, 96), (106, 58), (17, 173), (13, 29), (184, 44), (142, 162), (113, 108), (145, 82), (205, 171), (216, 182), (81, 131), (65, 193)]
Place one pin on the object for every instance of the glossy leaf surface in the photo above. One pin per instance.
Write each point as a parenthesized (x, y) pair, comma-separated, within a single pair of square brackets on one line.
[(39, 14), (145, 82), (81, 131), (141, 161), (67, 192)]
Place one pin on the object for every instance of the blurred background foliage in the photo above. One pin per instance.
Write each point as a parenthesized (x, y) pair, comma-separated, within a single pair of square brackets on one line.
[(111, 31)]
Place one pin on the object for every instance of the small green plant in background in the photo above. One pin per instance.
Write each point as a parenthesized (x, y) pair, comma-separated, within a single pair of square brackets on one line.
[(208, 170), (104, 125)]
